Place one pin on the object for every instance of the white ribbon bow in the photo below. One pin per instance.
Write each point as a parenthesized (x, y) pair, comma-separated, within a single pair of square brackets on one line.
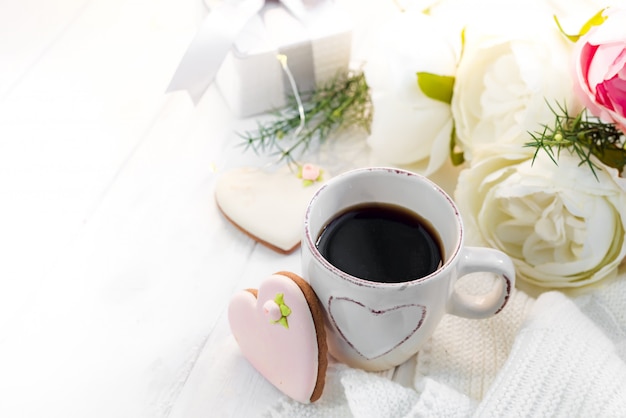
[(214, 40)]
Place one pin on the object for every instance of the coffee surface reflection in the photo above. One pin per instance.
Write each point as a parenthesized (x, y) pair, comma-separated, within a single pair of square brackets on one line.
[(381, 243)]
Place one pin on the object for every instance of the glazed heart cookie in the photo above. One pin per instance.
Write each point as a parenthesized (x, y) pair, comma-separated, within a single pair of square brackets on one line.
[(280, 330), (269, 206)]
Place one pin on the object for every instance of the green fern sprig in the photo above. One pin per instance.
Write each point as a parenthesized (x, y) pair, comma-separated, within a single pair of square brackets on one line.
[(582, 135), (343, 101)]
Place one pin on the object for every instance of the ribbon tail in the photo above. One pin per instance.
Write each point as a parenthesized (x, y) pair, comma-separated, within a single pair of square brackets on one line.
[(207, 51), (296, 7)]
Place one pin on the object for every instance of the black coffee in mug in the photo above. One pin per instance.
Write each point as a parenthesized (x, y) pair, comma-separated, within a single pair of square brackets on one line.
[(381, 243)]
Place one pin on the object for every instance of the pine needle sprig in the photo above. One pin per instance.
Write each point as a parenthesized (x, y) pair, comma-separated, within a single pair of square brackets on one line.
[(343, 101), (583, 136)]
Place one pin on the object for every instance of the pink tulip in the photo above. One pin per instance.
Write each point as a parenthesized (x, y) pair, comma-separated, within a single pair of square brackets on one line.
[(600, 69)]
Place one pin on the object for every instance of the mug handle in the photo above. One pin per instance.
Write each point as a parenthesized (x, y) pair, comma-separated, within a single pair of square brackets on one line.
[(478, 259)]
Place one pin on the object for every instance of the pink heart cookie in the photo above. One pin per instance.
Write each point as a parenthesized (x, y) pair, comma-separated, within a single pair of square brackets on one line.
[(280, 330)]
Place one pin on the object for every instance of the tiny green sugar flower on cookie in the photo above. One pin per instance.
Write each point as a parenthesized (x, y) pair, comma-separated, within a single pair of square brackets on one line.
[(277, 310), (310, 173)]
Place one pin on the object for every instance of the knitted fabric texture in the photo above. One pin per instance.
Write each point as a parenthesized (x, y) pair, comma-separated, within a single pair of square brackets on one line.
[(556, 356), (561, 365), (351, 392), (466, 354)]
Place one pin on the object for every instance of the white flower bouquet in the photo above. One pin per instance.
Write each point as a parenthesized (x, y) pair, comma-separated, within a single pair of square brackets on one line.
[(533, 109)]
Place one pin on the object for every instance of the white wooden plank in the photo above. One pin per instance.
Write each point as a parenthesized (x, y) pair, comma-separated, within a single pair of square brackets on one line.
[(88, 279), (117, 267), (71, 120), (222, 382), (28, 28)]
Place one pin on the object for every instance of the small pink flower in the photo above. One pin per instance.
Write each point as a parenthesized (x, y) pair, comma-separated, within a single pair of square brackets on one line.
[(310, 172), (600, 69), (272, 310)]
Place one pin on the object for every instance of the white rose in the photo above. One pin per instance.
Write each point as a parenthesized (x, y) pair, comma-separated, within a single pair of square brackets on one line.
[(407, 126), (506, 80), (561, 226)]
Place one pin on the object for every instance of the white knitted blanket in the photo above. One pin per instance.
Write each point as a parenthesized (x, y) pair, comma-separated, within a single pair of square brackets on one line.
[(553, 356)]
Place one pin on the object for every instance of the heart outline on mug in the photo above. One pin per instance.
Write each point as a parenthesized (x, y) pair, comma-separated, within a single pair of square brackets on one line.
[(404, 335), (351, 338)]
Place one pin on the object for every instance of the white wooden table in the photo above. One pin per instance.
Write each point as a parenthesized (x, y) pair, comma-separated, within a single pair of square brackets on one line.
[(115, 266)]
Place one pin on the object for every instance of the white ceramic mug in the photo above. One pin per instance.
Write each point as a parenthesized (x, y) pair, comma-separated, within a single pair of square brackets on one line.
[(376, 326)]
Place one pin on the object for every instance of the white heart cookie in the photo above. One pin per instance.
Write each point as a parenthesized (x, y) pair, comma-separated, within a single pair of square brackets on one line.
[(268, 206)]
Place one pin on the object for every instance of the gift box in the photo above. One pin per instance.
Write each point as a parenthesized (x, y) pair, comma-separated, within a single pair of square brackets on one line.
[(317, 44)]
